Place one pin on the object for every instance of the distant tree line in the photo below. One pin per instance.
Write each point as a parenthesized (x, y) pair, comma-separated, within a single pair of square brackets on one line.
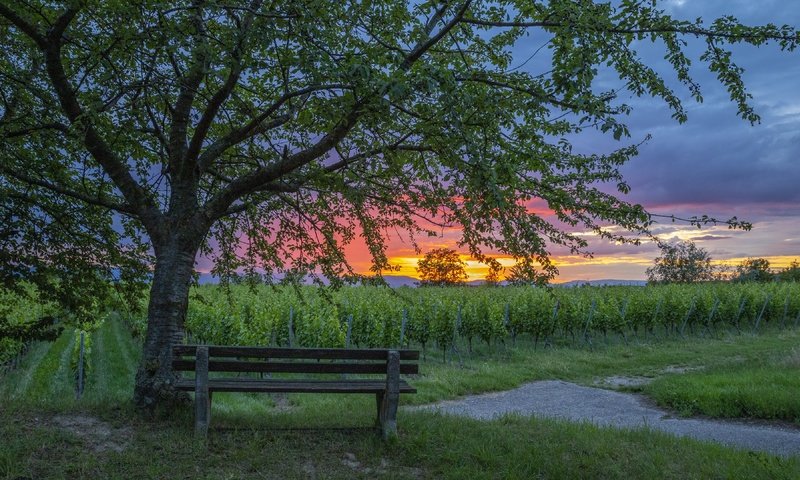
[(443, 267), (685, 262), (680, 262)]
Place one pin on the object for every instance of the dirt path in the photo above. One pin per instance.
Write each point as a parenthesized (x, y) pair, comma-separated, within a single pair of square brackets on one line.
[(557, 399)]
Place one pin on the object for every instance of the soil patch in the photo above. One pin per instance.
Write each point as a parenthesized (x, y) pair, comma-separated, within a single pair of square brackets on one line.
[(680, 369), (98, 435), (618, 381), (384, 468)]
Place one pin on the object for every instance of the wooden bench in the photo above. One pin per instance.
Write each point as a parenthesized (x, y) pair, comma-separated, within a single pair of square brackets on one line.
[(321, 362)]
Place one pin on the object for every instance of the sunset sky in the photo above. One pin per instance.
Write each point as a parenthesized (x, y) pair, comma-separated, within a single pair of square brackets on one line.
[(715, 164)]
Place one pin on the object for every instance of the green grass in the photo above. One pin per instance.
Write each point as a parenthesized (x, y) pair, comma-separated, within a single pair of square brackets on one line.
[(764, 388), (50, 378), (502, 369), (332, 436), (430, 446), (113, 364)]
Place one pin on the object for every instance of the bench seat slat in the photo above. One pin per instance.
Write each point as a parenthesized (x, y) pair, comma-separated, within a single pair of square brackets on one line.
[(296, 386), (292, 367), (308, 353)]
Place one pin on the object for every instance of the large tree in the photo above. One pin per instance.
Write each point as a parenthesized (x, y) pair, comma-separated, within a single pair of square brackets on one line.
[(682, 262), (269, 134), (442, 267)]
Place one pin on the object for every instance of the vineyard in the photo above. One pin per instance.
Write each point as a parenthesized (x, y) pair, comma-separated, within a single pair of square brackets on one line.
[(444, 318), (23, 317), (459, 318)]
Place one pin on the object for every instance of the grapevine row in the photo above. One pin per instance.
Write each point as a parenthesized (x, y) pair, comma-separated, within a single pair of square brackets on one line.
[(381, 317)]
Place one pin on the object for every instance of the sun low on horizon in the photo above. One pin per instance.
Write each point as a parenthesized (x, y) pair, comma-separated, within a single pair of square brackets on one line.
[(606, 265)]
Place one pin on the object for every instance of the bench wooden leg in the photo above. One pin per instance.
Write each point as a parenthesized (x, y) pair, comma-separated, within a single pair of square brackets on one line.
[(202, 395), (388, 415), (379, 404), (391, 398), (202, 413)]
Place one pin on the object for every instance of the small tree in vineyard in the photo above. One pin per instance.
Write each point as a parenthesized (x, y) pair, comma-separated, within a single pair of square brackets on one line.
[(495, 270), (754, 270), (441, 267), (790, 273), (682, 262)]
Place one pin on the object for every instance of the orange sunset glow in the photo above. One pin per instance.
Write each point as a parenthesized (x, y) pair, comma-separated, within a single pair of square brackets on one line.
[(573, 267), (609, 261)]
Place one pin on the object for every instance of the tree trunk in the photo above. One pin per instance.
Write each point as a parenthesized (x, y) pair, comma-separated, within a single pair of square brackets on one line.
[(169, 296)]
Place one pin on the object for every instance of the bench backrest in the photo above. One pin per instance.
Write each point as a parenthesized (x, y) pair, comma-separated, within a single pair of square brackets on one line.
[(294, 360)]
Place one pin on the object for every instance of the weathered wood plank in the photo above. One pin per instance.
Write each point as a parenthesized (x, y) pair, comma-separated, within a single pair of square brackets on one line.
[(296, 386), (293, 367), (308, 353)]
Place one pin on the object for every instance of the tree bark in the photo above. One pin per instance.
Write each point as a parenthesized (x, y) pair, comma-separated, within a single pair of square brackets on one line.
[(169, 297)]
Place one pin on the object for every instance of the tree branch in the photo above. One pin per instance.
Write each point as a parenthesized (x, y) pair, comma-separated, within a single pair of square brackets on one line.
[(345, 162), (251, 182), (698, 32), (28, 130), (28, 29), (529, 91), (67, 192), (256, 125), (256, 179), (732, 223), (423, 47), (134, 194), (221, 95), (183, 105), (295, 186)]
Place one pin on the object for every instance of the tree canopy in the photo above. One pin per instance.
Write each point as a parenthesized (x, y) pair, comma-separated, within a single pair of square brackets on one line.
[(270, 134), (442, 266), (754, 270), (682, 262), (495, 270), (790, 273)]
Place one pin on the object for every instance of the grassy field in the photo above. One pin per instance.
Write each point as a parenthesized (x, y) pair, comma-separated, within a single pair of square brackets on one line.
[(764, 387), (46, 433)]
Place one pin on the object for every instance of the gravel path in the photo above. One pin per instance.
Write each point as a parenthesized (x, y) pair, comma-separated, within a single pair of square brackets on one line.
[(557, 399)]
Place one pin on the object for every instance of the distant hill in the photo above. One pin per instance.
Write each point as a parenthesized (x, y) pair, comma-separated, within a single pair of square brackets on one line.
[(396, 281), (601, 283), (207, 279)]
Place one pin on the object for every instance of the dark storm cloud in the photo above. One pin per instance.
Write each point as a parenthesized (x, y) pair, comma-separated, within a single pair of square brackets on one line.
[(716, 163), (717, 158)]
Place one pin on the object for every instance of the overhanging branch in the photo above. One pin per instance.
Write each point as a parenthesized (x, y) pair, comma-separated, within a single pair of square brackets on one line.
[(251, 182), (696, 31), (61, 190), (27, 28), (258, 125), (224, 92), (136, 197)]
